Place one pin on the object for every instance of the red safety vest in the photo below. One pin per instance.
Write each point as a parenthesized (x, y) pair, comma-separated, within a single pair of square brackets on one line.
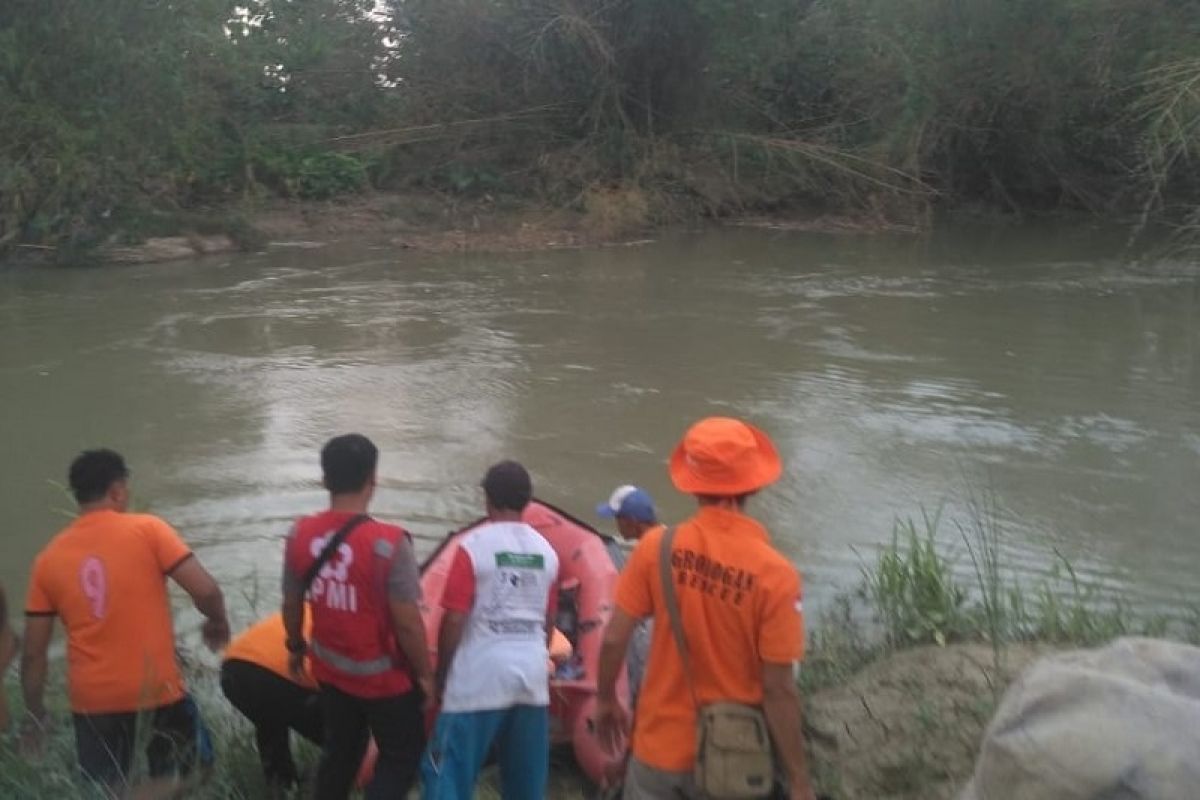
[(353, 646)]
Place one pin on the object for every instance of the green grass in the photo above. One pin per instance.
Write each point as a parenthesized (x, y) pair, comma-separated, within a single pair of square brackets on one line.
[(912, 588), (236, 776), (917, 596)]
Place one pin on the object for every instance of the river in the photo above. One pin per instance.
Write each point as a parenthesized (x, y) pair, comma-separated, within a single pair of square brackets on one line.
[(895, 373)]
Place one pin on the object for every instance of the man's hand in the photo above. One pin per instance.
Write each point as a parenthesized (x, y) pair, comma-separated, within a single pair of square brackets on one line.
[(33, 736), (207, 597), (612, 725), (802, 793), (296, 666), (215, 633), (614, 774), (433, 698)]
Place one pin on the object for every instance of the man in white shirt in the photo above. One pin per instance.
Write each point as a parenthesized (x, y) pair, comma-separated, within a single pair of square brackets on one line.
[(492, 674)]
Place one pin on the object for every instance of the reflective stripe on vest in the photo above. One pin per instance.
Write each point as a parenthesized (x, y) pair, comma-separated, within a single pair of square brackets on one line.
[(363, 669)]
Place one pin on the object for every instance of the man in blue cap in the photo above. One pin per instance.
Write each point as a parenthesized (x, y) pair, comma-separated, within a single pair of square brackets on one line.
[(633, 509)]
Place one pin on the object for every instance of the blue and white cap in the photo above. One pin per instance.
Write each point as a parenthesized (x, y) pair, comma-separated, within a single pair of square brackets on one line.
[(629, 501)]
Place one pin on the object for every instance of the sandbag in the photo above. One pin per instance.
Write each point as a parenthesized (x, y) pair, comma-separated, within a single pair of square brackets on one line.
[(1117, 723)]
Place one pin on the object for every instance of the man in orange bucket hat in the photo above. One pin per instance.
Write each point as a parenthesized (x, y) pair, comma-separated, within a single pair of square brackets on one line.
[(739, 602)]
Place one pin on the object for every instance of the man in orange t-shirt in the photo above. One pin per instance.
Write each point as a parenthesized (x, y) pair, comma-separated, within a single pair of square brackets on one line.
[(257, 680), (739, 601), (105, 576)]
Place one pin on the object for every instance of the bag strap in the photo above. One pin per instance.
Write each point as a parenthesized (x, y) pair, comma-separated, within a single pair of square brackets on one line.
[(673, 612), (331, 547)]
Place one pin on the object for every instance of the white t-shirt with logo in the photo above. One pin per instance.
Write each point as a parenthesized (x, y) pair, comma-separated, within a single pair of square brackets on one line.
[(504, 577)]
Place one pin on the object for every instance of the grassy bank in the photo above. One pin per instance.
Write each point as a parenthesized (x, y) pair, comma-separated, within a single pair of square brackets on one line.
[(903, 676), (900, 679), (127, 119)]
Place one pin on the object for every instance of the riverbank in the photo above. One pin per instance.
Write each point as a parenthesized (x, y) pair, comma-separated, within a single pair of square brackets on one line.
[(905, 726), (900, 680), (427, 222)]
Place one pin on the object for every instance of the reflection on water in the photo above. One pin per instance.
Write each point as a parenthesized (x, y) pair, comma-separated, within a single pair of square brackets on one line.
[(893, 372)]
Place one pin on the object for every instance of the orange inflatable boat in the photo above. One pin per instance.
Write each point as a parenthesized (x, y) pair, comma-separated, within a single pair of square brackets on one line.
[(587, 579)]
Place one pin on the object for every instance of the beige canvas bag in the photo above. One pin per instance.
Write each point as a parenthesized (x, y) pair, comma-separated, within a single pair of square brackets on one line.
[(733, 743)]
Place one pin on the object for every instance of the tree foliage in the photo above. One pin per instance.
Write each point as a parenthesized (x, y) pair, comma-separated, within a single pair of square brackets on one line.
[(110, 109)]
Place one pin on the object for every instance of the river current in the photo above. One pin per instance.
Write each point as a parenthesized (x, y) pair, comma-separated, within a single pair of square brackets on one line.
[(1039, 371)]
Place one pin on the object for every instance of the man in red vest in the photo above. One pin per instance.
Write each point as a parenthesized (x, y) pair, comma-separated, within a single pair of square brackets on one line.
[(368, 649)]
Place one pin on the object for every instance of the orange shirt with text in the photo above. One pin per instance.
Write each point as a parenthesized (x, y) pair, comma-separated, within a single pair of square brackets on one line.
[(264, 644), (740, 603), (105, 576)]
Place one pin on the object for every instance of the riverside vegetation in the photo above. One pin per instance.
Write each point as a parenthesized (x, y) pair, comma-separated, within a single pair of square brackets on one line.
[(121, 119), (900, 679)]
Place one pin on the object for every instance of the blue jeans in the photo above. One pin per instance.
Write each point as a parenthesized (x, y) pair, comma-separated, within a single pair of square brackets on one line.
[(462, 741)]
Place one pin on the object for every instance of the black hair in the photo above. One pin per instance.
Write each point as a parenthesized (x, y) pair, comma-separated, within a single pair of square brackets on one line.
[(93, 472), (508, 486), (348, 462), (739, 500)]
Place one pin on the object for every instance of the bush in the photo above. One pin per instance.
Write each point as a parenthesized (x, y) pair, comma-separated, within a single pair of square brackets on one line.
[(326, 175), (308, 174), (912, 587)]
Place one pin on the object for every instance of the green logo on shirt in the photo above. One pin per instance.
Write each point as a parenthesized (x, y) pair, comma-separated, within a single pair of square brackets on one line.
[(520, 560)]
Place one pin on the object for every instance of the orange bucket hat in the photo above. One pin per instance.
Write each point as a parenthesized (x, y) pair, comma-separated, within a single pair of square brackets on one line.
[(723, 456)]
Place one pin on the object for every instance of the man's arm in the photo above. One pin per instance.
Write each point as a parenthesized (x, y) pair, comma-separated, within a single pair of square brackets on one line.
[(206, 595), (35, 664), (409, 628), (292, 610), (449, 636), (612, 720), (551, 613), (781, 704), (404, 609), (458, 598), (612, 653)]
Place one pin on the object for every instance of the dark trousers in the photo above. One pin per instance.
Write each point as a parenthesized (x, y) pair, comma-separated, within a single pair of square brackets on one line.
[(106, 742), (275, 706), (398, 725)]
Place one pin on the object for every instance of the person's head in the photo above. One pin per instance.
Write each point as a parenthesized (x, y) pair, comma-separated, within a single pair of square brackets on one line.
[(348, 464), (99, 478), (507, 488), (722, 461), (632, 508)]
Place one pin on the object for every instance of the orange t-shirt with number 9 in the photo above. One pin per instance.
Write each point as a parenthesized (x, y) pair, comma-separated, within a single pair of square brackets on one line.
[(105, 577)]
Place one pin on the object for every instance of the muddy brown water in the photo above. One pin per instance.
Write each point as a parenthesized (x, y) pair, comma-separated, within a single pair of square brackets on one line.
[(894, 373)]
